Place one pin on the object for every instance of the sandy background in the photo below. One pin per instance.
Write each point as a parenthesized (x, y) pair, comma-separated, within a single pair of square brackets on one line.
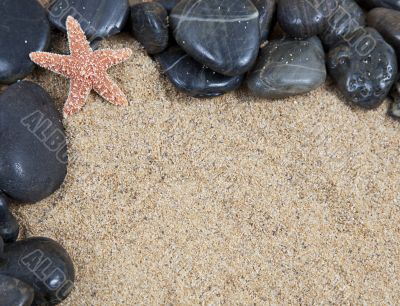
[(234, 200)]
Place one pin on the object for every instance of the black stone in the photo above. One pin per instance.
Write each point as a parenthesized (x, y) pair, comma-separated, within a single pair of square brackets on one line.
[(192, 77), (303, 18), (150, 26), (223, 35), (343, 24), (9, 228), (266, 9), (33, 155), (387, 23), (365, 71), (168, 4), (288, 67), (369, 4), (14, 292), (43, 264), (98, 18), (24, 28), (394, 109)]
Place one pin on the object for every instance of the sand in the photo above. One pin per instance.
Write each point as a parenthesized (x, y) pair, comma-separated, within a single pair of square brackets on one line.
[(234, 200)]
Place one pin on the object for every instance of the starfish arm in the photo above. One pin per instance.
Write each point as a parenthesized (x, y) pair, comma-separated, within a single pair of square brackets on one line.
[(54, 62), (78, 43), (106, 88), (78, 93), (110, 57)]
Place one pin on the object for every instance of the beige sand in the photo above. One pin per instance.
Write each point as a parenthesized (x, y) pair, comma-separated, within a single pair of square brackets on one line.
[(234, 200)]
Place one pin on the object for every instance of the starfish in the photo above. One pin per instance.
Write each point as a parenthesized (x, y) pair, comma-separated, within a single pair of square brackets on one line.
[(86, 69)]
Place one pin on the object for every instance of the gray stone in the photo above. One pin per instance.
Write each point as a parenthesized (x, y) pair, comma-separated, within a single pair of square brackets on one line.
[(364, 72), (288, 67), (387, 23), (369, 4), (223, 35), (343, 23), (98, 18), (194, 78), (303, 18), (150, 26), (33, 152), (14, 292), (24, 28), (266, 9), (43, 264), (9, 228)]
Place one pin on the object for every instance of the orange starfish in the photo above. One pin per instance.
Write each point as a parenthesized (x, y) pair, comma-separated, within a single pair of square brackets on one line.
[(86, 69)]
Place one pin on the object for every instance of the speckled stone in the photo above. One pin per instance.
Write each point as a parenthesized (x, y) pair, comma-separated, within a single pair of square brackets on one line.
[(9, 228), (14, 292), (343, 22), (369, 4), (288, 67), (43, 264), (387, 23), (33, 155), (23, 28), (150, 26), (302, 18), (194, 78), (98, 18), (364, 72), (266, 9), (223, 35)]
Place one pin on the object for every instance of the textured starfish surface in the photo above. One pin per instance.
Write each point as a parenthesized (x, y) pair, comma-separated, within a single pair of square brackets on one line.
[(86, 69)]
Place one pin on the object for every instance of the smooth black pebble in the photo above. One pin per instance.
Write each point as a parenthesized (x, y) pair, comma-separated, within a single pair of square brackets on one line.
[(345, 22), (192, 77), (33, 153), (14, 292), (223, 35), (387, 23), (9, 228), (394, 109), (24, 28), (369, 4), (98, 18), (303, 18), (288, 67), (41, 263), (150, 26), (266, 9), (168, 4), (364, 72)]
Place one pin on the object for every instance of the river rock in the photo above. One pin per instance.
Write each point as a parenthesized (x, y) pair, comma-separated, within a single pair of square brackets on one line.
[(266, 9), (150, 26), (391, 4), (98, 18), (194, 78), (43, 264), (344, 22), (33, 154), (168, 4), (288, 67), (394, 109), (24, 28), (364, 72), (303, 18), (14, 292), (387, 23), (223, 35), (9, 228)]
